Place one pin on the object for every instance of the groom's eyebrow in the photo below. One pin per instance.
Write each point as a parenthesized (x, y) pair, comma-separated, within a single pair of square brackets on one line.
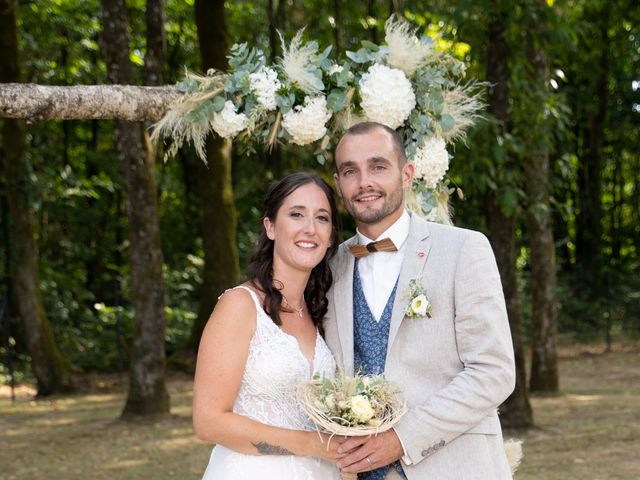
[(370, 160), (378, 159)]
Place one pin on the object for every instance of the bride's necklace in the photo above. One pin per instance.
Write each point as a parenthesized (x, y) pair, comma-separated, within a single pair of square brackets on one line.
[(299, 311)]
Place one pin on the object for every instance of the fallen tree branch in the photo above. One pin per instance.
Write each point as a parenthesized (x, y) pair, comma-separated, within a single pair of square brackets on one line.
[(36, 103)]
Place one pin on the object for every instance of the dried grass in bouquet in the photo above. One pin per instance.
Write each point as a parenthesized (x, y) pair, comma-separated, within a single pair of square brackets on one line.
[(352, 406)]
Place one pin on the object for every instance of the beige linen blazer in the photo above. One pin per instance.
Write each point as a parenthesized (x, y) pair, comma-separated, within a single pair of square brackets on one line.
[(455, 367)]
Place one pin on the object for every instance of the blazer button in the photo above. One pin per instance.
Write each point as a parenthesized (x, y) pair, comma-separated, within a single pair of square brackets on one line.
[(441, 443)]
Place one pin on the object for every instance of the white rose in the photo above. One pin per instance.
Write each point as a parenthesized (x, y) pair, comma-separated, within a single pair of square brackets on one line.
[(420, 305), (361, 408)]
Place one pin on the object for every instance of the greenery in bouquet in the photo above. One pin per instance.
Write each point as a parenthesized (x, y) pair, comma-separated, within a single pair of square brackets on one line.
[(408, 84), (360, 405)]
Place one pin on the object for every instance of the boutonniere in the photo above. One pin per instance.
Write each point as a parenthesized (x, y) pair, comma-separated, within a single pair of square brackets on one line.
[(419, 305)]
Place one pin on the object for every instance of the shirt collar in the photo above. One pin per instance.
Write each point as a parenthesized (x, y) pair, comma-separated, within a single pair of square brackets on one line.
[(397, 232)]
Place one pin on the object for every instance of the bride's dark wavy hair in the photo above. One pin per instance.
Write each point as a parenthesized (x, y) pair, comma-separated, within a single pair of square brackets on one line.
[(260, 268)]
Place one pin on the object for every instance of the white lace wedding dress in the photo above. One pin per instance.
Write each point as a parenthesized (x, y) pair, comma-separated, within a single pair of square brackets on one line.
[(275, 367)]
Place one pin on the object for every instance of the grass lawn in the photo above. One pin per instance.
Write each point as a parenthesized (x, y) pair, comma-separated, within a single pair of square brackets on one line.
[(590, 431)]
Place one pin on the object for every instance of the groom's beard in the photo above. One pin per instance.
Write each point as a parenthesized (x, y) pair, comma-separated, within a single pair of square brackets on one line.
[(392, 202)]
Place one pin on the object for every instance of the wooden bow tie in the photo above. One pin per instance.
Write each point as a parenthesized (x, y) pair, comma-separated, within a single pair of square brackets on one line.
[(384, 245)]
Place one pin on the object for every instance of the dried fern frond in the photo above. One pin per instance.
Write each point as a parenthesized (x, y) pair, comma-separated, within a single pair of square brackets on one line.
[(295, 62), (406, 51), (513, 449), (182, 122), (464, 104)]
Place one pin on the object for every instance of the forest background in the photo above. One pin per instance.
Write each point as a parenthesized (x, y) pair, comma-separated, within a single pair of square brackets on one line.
[(111, 258)]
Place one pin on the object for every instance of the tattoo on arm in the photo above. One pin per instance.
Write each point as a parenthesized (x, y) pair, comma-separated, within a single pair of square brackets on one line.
[(265, 448)]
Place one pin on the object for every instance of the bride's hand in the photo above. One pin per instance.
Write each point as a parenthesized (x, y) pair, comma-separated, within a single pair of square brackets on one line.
[(326, 446)]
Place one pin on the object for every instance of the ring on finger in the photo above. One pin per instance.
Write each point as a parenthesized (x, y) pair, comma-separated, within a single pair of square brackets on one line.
[(368, 461)]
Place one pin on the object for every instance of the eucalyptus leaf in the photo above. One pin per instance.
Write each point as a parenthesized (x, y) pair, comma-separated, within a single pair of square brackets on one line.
[(435, 101), (447, 122), (342, 78), (369, 45), (317, 83), (325, 54), (361, 56), (218, 103), (335, 100)]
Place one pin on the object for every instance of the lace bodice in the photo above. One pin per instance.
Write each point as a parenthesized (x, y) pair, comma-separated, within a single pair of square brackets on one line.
[(275, 367)]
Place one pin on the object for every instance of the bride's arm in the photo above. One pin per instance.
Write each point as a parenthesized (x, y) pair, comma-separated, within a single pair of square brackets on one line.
[(222, 357)]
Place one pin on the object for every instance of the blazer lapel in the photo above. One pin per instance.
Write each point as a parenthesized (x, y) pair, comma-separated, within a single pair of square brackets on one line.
[(343, 301), (415, 257)]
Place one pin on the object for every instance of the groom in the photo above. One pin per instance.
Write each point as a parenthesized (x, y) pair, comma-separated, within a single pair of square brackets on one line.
[(456, 364)]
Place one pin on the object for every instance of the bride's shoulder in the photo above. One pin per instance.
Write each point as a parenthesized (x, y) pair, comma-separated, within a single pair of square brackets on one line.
[(245, 292), (236, 303)]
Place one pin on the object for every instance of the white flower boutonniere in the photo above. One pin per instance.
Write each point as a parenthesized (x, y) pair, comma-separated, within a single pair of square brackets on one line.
[(419, 305)]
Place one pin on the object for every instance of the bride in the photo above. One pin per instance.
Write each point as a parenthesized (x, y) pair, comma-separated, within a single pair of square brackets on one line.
[(263, 339)]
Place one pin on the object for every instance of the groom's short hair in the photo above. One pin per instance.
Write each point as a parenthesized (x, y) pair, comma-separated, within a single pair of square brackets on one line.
[(367, 127)]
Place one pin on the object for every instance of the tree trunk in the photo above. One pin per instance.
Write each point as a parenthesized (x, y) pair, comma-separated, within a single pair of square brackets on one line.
[(589, 213), (85, 102), (156, 43), (214, 187), (544, 363), (371, 13), (516, 411), (48, 365), (147, 390)]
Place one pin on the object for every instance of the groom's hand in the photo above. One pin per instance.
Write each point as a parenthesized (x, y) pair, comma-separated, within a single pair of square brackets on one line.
[(369, 453)]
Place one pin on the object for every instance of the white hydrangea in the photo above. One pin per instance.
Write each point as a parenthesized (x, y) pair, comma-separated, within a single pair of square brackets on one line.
[(387, 96), (227, 123), (264, 83), (306, 123), (431, 161)]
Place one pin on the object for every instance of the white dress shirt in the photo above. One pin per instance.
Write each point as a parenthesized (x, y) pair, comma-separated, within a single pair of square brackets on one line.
[(379, 271)]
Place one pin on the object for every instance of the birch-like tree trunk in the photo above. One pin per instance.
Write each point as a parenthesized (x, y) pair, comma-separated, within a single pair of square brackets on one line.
[(36, 103), (48, 365), (147, 389), (214, 187), (544, 363), (516, 411)]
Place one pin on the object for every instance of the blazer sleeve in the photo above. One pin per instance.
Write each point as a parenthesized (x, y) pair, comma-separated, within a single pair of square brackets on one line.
[(484, 349)]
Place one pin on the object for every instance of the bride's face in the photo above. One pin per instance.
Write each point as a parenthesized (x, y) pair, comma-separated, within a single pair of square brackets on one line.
[(302, 229)]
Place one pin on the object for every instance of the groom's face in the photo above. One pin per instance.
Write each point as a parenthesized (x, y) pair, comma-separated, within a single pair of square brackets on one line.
[(370, 179)]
